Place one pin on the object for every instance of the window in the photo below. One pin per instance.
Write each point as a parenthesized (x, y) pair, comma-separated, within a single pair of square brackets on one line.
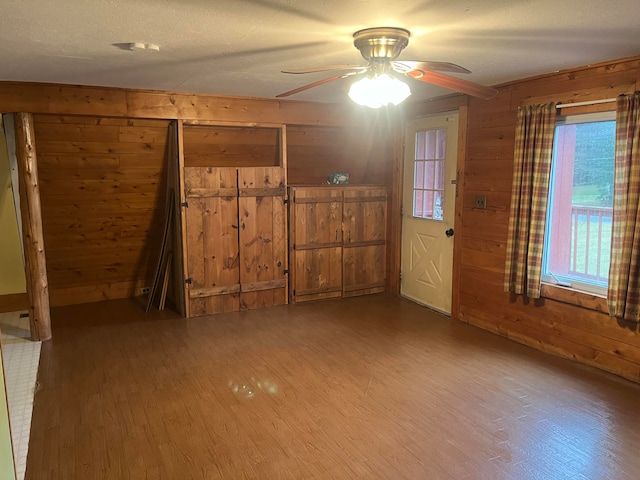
[(580, 209), (428, 174)]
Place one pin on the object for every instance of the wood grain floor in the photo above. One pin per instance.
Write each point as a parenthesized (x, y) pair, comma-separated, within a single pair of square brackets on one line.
[(370, 387)]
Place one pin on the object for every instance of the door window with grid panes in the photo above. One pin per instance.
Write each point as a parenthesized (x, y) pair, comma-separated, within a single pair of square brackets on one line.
[(428, 178)]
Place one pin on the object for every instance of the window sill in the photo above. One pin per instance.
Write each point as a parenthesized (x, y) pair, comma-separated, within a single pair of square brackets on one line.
[(590, 301)]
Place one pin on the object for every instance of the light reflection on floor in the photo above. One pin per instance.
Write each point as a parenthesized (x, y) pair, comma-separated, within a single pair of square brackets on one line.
[(253, 387)]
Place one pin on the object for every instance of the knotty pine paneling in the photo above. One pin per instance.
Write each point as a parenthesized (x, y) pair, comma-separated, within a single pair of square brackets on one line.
[(117, 102), (102, 187), (367, 154), (86, 135), (587, 336), (364, 151), (228, 146)]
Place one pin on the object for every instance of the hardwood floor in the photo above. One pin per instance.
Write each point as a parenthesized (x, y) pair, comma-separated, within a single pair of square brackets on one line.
[(370, 387)]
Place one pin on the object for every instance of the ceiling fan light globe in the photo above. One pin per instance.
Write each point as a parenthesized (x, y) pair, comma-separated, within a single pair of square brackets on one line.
[(378, 91)]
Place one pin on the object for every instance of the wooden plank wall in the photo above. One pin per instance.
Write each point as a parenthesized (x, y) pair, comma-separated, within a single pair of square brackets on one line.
[(564, 329), (102, 184), (364, 151), (230, 146), (126, 103), (92, 255)]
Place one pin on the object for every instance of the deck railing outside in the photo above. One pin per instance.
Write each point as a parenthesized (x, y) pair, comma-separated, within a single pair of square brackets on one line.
[(591, 242)]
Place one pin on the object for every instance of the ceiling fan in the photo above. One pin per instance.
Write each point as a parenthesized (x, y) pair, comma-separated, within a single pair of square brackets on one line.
[(380, 47)]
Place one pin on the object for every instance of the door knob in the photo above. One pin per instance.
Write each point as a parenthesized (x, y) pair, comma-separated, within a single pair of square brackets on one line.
[(449, 233)]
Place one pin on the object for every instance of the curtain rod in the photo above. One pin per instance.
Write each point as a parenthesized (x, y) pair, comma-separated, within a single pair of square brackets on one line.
[(590, 102)]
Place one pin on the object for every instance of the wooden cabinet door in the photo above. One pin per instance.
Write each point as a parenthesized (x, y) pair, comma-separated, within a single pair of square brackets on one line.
[(364, 251), (316, 255), (212, 240), (263, 237)]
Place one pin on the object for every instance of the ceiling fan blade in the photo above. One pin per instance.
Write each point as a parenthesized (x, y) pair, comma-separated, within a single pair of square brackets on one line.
[(453, 83), (325, 68), (316, 84), (407, 65)]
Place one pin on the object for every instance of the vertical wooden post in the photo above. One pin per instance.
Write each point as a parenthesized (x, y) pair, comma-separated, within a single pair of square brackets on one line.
[(35, 260), (176, 173), (183, 220), (283, 164), (461, 162), (394, 207)]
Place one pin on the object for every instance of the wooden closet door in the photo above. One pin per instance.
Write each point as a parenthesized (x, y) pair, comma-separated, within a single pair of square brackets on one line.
[(364, 251), (263, 237), (316, 243), (212, 240)]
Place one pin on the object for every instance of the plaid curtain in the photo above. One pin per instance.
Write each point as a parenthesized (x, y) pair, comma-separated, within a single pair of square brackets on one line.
[(529, 195), (624, 270)]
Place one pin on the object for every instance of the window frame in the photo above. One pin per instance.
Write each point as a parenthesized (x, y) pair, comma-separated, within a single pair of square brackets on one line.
[(441, 169), (558, 281)]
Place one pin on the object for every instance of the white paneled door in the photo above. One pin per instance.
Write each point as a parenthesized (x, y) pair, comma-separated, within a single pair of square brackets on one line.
[(428, 210)]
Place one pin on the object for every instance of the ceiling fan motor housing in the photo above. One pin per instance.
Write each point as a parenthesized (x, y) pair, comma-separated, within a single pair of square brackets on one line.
[(380, 47), (384, 43)]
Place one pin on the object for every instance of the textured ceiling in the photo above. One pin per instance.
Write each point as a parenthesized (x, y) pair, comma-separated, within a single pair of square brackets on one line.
[(238, 47)]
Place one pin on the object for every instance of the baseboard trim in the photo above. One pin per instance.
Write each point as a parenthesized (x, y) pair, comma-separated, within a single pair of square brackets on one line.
[(14, 302)]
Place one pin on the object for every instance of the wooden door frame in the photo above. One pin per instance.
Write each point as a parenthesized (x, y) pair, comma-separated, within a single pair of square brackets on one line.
[(463, 122), (282, 150), (458, 103), (287, 204), (183, 217)]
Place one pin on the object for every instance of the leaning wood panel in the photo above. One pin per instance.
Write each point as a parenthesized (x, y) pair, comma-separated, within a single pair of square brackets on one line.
[(32, 231), (177, 290), (263, 238)]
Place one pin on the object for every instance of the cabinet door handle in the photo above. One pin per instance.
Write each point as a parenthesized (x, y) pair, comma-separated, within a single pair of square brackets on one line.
[(336, 234), (349, 235)]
